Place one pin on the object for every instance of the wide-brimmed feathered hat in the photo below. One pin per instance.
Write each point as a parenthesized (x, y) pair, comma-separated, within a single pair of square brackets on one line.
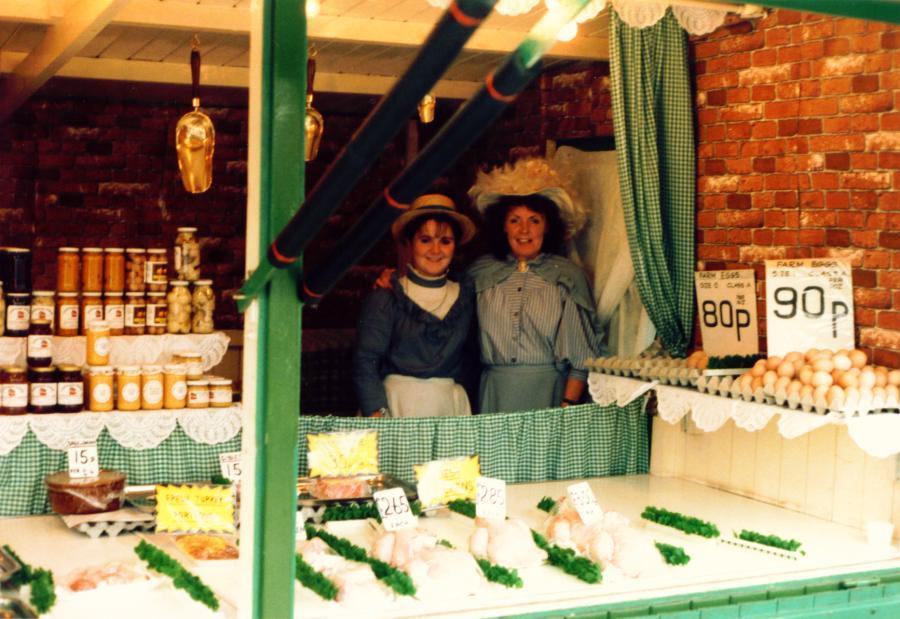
[(530, 176), (430, 205)]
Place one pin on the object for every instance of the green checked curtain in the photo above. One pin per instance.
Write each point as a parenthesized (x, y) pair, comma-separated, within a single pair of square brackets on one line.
[(653, 122), (558, 443)]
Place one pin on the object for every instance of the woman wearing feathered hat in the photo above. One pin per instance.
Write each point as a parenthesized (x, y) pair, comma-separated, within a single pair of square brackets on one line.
[(535, 310), (411, 336)]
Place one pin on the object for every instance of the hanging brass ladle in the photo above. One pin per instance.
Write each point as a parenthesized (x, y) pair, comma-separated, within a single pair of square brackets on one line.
[(195, 137)]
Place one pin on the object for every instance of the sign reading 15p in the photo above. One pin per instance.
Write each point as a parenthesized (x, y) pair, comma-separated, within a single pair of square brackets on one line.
[(809, 304)]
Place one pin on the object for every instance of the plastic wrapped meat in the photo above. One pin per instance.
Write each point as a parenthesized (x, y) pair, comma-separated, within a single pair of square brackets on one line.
[(355, 581), (114, 573), (506, 542), (340, 488)]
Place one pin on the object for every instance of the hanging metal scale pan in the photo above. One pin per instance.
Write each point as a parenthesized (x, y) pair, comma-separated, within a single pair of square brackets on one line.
[(195, 138)]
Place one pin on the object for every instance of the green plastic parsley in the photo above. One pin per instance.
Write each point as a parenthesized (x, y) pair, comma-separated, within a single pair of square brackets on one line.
[(315, 580), (569, 562), (546, 504), (462, 506), (673, 555), (163, 563), (774, 541), (687, 524), (499, 574)]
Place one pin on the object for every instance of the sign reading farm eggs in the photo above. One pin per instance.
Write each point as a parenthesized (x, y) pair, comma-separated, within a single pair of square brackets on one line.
[(726, 303), (809, 304)]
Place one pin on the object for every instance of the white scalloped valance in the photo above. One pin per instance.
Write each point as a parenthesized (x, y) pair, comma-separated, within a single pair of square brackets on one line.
[(645, 13), (133, 430), (607, 389), (126, 349)]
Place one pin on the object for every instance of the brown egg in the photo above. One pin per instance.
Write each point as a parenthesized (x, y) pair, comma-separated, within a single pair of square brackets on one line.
[(786, 369), (781, 385), (821, 364), (881, 376), (848, 379), (857, 357), (851, 396), (823, 354), (811, 353), (879, 395), (759, 368), (894, 377), (819, 393), (842, 351), (835, 396), (769, 378), (793, 356), (805, 375), (821, 379), (703, 363), (773, 362), (744, 381), (757, 383), (866, 379), (841, 361), (794, 387), (836, 376), (892, 395)]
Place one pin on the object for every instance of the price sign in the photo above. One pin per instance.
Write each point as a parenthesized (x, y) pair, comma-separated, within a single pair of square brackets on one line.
[(809, 304), (394, 509), (83, 460), (442, 481), (585, 503), (195, 508), (230, 465), (726, 301), (343, 454), (490, 498)]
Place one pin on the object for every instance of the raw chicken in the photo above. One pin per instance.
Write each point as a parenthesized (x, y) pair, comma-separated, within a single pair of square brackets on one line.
[(114, 573), (355, 581), (506, 542)]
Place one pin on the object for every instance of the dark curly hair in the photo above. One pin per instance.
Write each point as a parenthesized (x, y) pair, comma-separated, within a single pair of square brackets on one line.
[(495, 217)]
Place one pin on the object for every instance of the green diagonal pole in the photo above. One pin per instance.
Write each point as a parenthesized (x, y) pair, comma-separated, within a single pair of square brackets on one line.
[(277, 398)]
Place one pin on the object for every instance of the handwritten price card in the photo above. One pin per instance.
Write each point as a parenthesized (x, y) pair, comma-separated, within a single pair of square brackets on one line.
[(230, 465), (394, 509), (442, 481), (726, 301), (585, 503), (195, 508), (342, 454), (809, 304), (490, 498), (83, 461)]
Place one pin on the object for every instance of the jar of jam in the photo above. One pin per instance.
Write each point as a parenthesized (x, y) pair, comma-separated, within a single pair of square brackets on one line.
[(174, 386), (43, 307), (135, 313), (220, 392), (152, 387), (193, 361), (13, 391), (128, 388), (135, 265), (42, 389), (69, 389), (92, 269), (18, 314), (15, 269), (114, 269), (68, 269), (39, 347), (91, 309), (156, 273), (203, 302), (98, 343), (156, 313), (2, 310), (198, 394), (68, 313), (100, 388), (187, 254), (114, 312)]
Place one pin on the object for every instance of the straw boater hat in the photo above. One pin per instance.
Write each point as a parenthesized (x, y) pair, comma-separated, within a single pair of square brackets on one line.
[(530, 176), (430, 205)]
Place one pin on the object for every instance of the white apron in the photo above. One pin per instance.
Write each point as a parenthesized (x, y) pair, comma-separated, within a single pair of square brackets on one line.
[(425, 397)]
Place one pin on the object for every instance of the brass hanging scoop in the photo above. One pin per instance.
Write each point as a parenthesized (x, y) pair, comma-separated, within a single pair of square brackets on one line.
[(195, 137), (314, 123)]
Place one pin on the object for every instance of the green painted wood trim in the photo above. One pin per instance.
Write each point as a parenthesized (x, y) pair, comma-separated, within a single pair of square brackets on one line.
[(282, 169), (875, 10)]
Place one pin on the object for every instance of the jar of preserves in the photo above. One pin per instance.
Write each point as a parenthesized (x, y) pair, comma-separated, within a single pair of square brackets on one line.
[(13, 391), (68, 313), (15, 269), (203, 302), (114, 312), (135, 313), (220, 392), (2, 310), (114, 269), (198, 394), (135, 265), (39, 347), (69, 389), (128, 388), (68, 269), (18, 314), (174, 385), (98, 343), (42, 389), (43, 307), (100, 388), (192, 361), (92, 269), (92, 309), (156, 271), (179, 302), (157, 310), (187, 254), (151, 387)]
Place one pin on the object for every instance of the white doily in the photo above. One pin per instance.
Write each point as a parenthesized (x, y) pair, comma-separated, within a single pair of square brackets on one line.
[(710, 412), (56, 431), (141, 429), (751, 416), (210, 426), (673, 403), (698, 20), (12, 430), (126, 349), (797, 423), (607, 389), (639, 14), (876, 434)]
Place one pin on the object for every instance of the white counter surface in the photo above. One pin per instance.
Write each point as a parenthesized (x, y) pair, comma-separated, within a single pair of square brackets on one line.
[(830, 549)]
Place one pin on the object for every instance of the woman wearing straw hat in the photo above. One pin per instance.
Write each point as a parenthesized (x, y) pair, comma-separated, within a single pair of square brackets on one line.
[(411, 335), (536, 314)]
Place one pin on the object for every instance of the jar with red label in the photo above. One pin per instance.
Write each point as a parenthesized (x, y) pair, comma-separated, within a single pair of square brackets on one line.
[(156, 274), (68, 313), (157, 310), (114, 312), (135, 266), (91, 309), (42, 390), (39, 347), (18, 314), (13, 391), (135, 314), (69, 389), (43, 307)]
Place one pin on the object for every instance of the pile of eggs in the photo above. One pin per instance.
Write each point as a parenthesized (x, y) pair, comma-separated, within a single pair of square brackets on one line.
[(841, 381), (698, 360)]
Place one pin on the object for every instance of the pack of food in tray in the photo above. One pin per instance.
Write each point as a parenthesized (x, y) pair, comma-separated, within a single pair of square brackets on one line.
[(314, 491), (617, 366), (670, 372)]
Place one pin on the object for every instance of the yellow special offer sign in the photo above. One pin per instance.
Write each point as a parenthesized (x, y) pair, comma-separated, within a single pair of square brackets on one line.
[(341, 454), (195, 508), (442, 481)]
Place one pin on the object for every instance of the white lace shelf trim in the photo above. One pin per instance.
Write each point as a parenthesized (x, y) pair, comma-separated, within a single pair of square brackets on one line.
[(132, 430), (643, 14), (126, 349), (609, 389)]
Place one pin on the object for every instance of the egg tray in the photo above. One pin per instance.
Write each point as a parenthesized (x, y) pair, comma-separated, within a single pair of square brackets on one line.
[(662, 370)]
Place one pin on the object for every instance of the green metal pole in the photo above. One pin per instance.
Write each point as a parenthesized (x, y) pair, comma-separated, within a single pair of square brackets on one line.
[(277, 397)]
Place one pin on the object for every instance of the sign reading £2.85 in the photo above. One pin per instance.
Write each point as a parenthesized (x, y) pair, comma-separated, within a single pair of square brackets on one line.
[(726, 304)]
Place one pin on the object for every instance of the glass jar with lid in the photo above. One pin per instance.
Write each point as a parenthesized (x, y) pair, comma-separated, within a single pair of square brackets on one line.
[(174, 385), (92, 309), (157, 310), (98, 343), (13, 390), (135, 313), (92, 269), (128, 388), (203, 302), (2, 310), (43, 306), (192, 361), (42, 389), (68, 313), (135, 269), (69, 389), (187, 254), (151, 387), (100, 388), (198, 393), (219, 392), (114, 269), (39, 347), (114, 312), (156, 272), (18, 314), (15, 269), (68, 268), (179, 302)]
